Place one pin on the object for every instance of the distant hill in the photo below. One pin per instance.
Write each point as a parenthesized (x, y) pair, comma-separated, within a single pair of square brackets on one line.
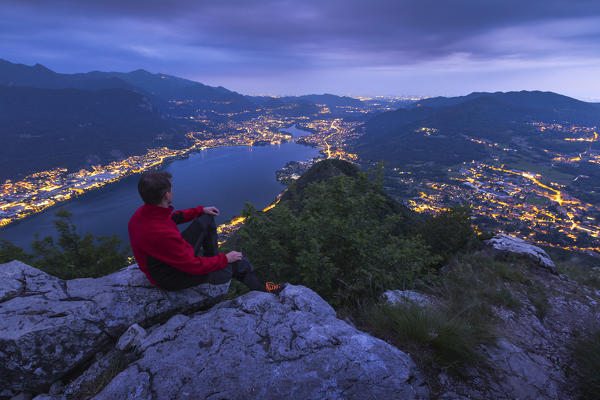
[(437, 130), (332, 101), (319, 172), (181, 96), (38, 76), (290, 106), (530, 105), (46, 128), (173, 95)]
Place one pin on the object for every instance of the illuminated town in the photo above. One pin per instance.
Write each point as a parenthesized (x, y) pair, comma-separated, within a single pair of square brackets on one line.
[(39, 191), (518, 202)]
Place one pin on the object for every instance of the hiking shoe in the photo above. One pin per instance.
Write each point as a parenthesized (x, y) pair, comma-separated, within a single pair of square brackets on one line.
[(274, 288)]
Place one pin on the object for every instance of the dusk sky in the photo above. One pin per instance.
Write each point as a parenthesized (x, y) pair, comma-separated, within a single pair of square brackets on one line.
[(345, 47)]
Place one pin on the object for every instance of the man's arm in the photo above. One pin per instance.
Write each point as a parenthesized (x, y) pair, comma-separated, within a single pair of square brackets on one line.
[(183, 216)]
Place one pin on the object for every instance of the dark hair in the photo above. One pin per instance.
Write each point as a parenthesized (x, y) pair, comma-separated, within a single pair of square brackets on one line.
[(153, 186)]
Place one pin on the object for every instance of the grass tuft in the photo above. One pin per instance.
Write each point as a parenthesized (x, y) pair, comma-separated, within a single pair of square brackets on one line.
[(587, 360), (453, 340), (584, 274), (477, 281), (540, 301)]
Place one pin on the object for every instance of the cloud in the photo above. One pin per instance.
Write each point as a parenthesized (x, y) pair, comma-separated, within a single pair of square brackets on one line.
[(288, 38)]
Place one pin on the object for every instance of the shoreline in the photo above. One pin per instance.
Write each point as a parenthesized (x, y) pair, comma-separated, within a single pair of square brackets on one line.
[(110, 183)]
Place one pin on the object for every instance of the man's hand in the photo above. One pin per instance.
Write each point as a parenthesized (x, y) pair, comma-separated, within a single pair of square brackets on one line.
[(211, 211), (233, 256)]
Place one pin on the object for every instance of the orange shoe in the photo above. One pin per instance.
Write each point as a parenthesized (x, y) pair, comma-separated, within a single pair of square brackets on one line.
[(275, 288)]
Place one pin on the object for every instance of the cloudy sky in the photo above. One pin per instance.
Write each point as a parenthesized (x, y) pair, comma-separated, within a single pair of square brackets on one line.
[(351, 47)]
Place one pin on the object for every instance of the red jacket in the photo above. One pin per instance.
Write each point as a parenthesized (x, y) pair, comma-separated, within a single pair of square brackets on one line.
[(152, 232)]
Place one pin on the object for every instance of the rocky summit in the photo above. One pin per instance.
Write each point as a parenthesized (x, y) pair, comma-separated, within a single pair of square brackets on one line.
[(51, 328), (118, 337), (82, 332), (262, 346)]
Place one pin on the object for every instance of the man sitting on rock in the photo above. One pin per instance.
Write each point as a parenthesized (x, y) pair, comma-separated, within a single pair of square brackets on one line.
[(172, 260)]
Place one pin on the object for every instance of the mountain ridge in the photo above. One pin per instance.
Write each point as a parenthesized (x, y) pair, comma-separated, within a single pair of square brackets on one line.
[(499, 117), (46, 128)]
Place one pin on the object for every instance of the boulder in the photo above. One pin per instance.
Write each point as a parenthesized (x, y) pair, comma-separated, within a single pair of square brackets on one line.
[(50, 327), (263, 346), (513, 244)]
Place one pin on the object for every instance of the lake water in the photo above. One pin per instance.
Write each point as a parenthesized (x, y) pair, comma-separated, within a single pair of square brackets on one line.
[(225, 177)]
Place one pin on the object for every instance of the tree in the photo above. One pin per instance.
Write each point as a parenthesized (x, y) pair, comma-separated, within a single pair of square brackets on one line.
[(346, 241), (10, 252), (71, 255)]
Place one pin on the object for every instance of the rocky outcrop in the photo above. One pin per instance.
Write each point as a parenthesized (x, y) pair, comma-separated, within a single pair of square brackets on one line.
[(262, 346), (73, 339), (50, 327), (118, 337), (513, 244), (533, 356)]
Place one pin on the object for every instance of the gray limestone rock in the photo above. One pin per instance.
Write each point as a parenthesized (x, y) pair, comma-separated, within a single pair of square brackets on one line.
[(403, 296), (102, 370), (533, 355), (22, 396), (262, 346), (131, 338), (512, 244), (49, 327), (6, 394)]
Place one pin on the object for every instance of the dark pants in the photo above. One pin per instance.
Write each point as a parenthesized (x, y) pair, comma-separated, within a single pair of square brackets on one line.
[(202, 235)]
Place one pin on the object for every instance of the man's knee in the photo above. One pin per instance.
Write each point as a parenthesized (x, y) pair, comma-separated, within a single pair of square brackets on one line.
[(242, 266), (221, 276), (206, 221)]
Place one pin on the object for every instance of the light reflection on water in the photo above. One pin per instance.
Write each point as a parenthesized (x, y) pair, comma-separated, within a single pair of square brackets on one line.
[(225, 177)]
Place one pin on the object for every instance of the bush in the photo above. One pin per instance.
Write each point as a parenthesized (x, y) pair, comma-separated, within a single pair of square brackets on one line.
[(449, 232), (70, 256), (450, 334), (345, 241), (10, 252)]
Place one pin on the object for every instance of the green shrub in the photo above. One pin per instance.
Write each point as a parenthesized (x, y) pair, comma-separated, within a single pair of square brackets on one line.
[(10, 252), (449, 232), (587, 360), (345, 241), (504, 297), (71, 255)]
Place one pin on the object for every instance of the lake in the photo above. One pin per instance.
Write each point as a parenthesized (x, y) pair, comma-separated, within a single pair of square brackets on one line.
[(226, 177)]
